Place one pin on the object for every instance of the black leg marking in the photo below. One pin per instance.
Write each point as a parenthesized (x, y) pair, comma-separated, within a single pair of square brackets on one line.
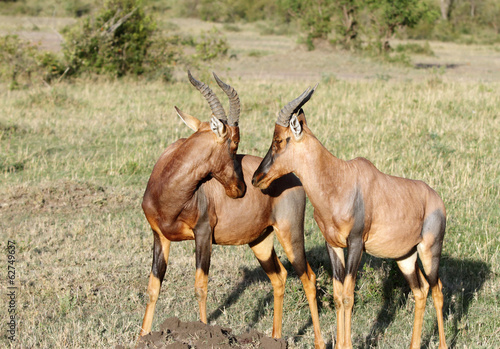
[(355, 242), (435, 224), (203, 234), (338, 270), (159, 266)]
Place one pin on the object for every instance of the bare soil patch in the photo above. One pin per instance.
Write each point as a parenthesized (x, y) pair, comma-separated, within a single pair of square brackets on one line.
[(175, 334), (63, 197), (43, 31)]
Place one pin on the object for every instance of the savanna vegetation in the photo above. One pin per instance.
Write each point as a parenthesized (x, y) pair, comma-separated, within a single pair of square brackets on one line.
[(82, 124)]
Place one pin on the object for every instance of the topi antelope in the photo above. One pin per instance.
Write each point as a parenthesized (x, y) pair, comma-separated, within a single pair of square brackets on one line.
[(197, 191), (358, 207)]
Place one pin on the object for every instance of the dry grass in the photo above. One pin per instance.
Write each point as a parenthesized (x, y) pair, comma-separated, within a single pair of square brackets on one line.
[(75, 159)]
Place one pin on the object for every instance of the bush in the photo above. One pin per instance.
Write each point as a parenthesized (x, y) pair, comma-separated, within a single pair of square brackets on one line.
[(164, 53), (390, 15), (77, 8), (228, 10), (23, 63), (114, 42), (51, 66), (347, 27), (120, 39), (314, 16), (212, 44), (18, 59)]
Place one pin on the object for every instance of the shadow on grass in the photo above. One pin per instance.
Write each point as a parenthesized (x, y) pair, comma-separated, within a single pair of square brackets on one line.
[(257, 275), (250, 276), (461, 278)]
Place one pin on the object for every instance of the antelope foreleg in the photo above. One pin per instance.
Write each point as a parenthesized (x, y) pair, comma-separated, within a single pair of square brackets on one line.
[(161, 251), (309, 283), (354, 253), (203, 240), (201, 291), (336, 255)]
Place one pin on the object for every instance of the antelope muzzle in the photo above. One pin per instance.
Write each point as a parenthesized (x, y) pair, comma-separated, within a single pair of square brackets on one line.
[(260, 178)]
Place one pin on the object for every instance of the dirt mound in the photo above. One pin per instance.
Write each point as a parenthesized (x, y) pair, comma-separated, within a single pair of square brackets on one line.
[(175, 334)]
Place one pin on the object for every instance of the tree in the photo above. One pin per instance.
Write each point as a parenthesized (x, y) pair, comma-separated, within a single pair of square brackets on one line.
[(446, 6), (313, 15), (389, 15), (348, 27)]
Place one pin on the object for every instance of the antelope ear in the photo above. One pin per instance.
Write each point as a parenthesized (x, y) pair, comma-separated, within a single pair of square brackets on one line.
[(218, 127), (192, 122), (296, 127), (302, 117)]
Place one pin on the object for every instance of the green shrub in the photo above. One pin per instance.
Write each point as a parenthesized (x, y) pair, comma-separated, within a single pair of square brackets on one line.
[(212, 44), (163, 54), (121, 39), (229, 10), (22, 63), (18, 59), (231, 27), (389, 15), (51, 66), (347, 27), (315, 18), (113, 42), (444, 31), (77, 8)]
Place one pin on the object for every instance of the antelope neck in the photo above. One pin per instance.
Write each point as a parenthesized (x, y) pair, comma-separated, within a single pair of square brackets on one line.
[(320, 171), (187, 167)]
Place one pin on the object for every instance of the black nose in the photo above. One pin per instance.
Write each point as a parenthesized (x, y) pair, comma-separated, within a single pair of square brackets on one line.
[(256, 178), (242, 188)]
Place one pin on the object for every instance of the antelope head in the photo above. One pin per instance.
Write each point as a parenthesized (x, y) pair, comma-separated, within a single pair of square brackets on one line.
[(289, 144), (220, 137)]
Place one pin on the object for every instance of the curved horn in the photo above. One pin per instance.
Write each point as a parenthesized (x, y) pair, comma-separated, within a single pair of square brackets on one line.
[(210, 96), (293, 106), (234, 101)]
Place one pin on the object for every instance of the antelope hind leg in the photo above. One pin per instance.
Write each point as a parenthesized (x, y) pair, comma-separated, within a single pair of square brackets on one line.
[(264, 251), (420, 289), (292, 241), (429, 252)]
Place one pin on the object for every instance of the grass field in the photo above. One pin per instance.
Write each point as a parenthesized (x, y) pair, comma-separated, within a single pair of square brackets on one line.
[(75, 159)]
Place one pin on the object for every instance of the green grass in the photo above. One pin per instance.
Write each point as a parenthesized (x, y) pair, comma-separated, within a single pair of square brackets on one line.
[(75, 159)]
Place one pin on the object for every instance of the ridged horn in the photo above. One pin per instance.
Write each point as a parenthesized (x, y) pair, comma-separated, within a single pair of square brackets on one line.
[(210, 96), (234, 102), (292, 107)]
